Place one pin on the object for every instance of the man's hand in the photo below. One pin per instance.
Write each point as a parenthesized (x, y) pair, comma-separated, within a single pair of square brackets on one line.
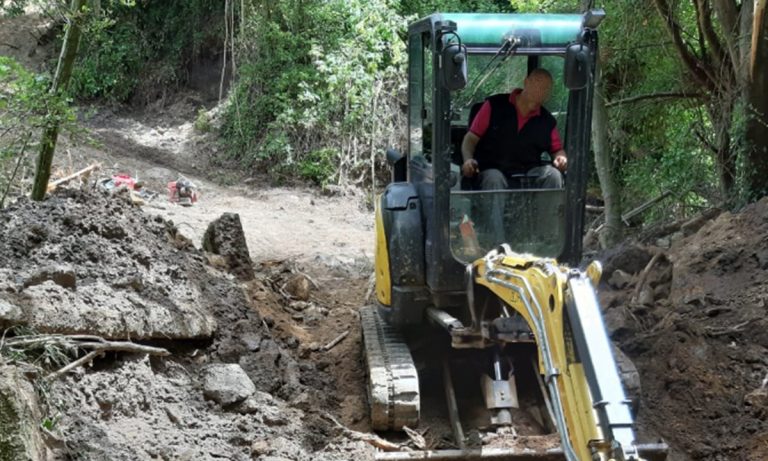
[(469, 168), (560, 162)]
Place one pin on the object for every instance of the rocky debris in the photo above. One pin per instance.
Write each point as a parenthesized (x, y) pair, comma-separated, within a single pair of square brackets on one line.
[(146, 409), (225, 237), (86, 262), (20, 415), (226, 384)]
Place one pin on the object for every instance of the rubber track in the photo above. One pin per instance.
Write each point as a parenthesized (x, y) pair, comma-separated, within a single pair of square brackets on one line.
[(393, 383)]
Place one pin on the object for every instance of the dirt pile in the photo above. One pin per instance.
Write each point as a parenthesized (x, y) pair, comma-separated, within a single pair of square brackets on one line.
[(256, 383), (90, 263), (693, 319)]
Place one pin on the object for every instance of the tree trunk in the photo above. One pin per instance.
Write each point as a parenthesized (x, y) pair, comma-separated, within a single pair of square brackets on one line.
[(757, 105), (60, 82), (721, 113), (612, 232)]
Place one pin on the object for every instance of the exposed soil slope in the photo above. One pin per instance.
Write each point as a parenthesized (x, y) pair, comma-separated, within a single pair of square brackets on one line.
[(697, 333)]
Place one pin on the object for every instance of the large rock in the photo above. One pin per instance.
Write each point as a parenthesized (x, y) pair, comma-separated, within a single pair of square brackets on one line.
[(225, 237), (20, 416), (227, 384)]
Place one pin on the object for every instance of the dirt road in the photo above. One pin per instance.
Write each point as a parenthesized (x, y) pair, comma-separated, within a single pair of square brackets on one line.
[(280, 222)]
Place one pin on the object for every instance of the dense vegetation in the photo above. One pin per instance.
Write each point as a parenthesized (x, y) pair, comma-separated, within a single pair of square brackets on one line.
[(317, 88)]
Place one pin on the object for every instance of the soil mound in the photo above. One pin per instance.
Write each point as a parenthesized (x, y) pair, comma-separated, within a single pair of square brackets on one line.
[(91, 263), (694, 324)]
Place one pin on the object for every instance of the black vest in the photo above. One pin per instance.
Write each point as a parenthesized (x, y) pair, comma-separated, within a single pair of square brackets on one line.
[(503, 148)]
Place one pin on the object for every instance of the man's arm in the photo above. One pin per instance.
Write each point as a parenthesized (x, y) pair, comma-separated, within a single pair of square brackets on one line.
[(559, 159), (474, 133), (468, 146)]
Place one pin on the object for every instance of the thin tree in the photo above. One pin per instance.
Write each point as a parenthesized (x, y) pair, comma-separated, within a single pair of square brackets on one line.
[(757, 107), (612, 232), (59, 85)]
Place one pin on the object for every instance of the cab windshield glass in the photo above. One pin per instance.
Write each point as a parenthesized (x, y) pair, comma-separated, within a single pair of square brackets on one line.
[(529, 220)]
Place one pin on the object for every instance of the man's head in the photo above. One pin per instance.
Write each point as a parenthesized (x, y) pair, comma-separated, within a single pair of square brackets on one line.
[(538, 86)]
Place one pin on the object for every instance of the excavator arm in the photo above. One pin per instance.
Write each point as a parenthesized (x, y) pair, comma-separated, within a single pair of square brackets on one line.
[(591, 412)]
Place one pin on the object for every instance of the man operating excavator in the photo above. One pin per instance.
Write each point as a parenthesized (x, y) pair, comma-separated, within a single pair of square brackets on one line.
[(508, 135)]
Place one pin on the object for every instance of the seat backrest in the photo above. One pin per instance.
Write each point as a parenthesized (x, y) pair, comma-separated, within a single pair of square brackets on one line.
[(473, 112)]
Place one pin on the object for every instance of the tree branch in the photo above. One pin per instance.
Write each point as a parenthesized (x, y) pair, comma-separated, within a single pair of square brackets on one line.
[(691, 61), (643, 97), (728, 13), (704, 23)]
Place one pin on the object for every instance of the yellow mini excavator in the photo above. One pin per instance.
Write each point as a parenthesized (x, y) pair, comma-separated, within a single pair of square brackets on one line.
[(484, 286)]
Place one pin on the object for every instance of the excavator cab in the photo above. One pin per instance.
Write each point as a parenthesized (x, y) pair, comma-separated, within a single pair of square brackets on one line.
[(493, 275)]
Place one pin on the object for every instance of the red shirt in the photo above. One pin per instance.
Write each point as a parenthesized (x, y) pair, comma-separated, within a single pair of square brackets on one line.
[(483, 118)]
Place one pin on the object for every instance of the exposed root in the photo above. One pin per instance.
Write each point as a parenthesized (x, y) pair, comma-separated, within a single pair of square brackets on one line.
[(371, 439), (95, 344)]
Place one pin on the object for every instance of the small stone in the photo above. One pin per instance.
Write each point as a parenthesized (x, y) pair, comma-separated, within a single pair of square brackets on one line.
[(619, 279), (252, 342), (259, 447), (247, 406), (646, 296), (676, 237), (227, 384), (299, 287), (757, 398), (299, 305), (173, 416)]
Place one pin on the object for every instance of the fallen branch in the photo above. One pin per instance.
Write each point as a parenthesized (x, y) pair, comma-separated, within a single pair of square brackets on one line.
[(336, 341), (371, 439), (295, 270), (738, 328), (87, 170), (416, 438), (19, 159), (636, 211), (87, 358), (642, 97), (643, 277)]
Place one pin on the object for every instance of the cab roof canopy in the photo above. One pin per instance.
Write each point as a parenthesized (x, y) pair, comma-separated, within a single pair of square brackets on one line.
[(546, 33)]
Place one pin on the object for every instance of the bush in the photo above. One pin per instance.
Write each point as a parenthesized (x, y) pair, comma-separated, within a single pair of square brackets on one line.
[(202, 121), (26, 107), (319, 166), (142, 45), (111, 59), (325, 82)]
